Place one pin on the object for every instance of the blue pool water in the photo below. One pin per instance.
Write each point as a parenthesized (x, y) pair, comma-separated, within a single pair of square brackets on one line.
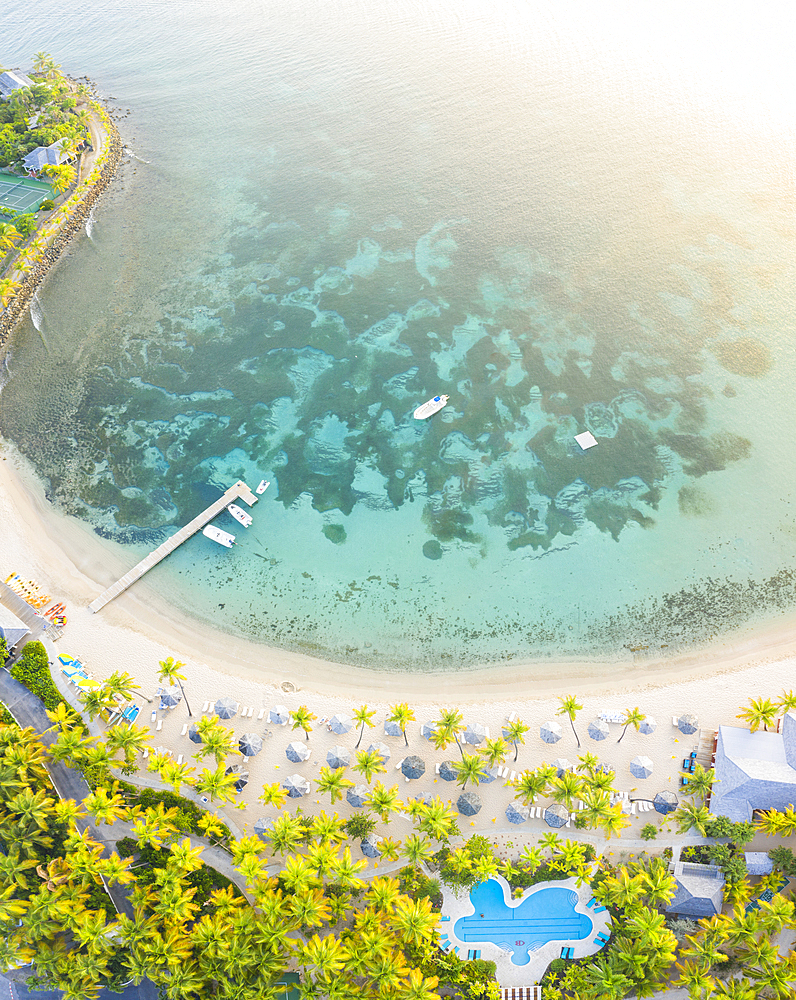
[(546, 915)]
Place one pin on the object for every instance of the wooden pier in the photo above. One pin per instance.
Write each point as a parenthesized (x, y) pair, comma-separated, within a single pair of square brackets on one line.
[(239, 491)]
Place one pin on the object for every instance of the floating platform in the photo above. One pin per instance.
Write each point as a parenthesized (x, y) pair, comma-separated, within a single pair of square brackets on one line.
[(586, 440)]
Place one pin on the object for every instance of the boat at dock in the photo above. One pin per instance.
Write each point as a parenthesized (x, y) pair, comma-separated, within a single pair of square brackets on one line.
[(217, 535), (240, 515), (262, 487), (431, 407)]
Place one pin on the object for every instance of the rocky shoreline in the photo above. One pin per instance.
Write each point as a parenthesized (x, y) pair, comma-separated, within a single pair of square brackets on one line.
[(33, 279)]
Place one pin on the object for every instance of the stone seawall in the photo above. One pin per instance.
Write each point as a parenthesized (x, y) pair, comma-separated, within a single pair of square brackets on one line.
[(31, 281)]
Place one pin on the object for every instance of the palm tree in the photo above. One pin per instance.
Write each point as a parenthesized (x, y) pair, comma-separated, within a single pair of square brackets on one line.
[(368, 763), (633, 717), (760, 710), (436, 819), (95, 701), (786, 702), (9, 236), (62, 175), (274, 795), (470, 768), (170, 672), (515, 732), (177, 775), (528, 785), (216, 784), (403, 715), (416, 850), (333, 781), (384, 801), (362, 718), (700, 782), (615, 821), (566, 788), (216, 742), (302, 719), (570, 707), (8, 287), (121, 685), (447, 729), (495, 751), (689, 816), (286, 834), (131, 739), (328, 829), (415, 920)]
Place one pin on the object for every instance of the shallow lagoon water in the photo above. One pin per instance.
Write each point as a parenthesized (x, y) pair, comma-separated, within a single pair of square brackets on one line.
[(332, 215)]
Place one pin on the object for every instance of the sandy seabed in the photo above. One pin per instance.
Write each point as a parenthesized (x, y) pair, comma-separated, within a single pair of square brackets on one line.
[(73, 566)]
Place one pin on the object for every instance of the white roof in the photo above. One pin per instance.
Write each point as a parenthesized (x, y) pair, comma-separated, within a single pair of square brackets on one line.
[(12, 629), (586, 440)]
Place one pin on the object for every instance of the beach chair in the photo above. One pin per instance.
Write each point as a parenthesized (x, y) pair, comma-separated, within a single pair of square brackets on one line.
[(399, 765), (204, 707), (181, 758), (591, 903), (211, 706), (568, 821), (674, 722), (145, 753), (261, 715), (153, 716), (184, 729), (512, 717), (436, 769), (513, 776), (243, 712), (159, 725)]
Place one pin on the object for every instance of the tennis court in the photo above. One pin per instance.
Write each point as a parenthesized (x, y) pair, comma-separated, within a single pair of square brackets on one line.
[(23, 194)]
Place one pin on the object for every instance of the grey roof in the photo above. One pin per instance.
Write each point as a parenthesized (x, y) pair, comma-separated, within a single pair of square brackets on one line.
[(226, 707), (598, 729), (758, 863), (296, 785), (413, 767), (550, 732), (12, 629), (250, 744), (517, 813), (356, 796), (699, 890), (447, 770), (341, 724), (556, 815), (297, 752), (688, 723), (381, 749), (474, 733), (279, 716), (392, 728), (754, 770), (11, 81), (370, 846), (641, 767), (338, 757), (648, 726), (45, 156), (469, 803)]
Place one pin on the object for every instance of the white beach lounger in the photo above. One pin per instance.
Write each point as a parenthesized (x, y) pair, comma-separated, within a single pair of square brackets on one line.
[(568, 821), (513, 776), (211, 706), (632, 808), (159, 725), (243, 712), (674, 721), (184, 729), (399, 765), (261, 715), (436, 769), (512, 717), (204, 707), (145, 753)]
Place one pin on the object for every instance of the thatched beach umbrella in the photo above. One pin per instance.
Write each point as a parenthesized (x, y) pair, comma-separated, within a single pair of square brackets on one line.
[(413, 767), (648, 726), (425, 797), (428, 729), (297, 752), (561, 764), (517, 813), (598, 729), (392, 728), (170, 696), (296, 785), (550, 732), (357, 795), (447, 771), (469, 803), (556, 815), (263, 828), (242, 777), (194, 735), (688, 723), (279, 716), (381, 749), (474, 733), (338, 757), (250, 744), (641, 767), (341, 724), (226, 708), (490, 775), (370, 846), (665, 802)]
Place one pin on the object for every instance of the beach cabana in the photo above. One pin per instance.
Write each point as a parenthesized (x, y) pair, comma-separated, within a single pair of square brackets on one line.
[(338, 757), (428, 729), (370, 846), (648, 726), (263, 827), (641, 767), (665, 802), (381, 749), (517, 813), (194, 735), (469, 803), (295, 785), (598, 729), (474, 734), (550, 732), (447, 770), (341, 724), (297, 752), (357, 795), (392, 728), (226, 708), (170, 696), (413, 767), (250, 744), (279, 716), (556, 815), (688, 723), (561, 764)]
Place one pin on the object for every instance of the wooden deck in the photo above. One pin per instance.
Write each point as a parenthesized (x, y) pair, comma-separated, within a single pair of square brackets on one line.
[(239, 491)]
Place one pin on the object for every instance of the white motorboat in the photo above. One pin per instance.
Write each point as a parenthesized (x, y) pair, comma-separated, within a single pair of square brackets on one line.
[(240, 515), (217, 535), (431, 407), (262, 487)]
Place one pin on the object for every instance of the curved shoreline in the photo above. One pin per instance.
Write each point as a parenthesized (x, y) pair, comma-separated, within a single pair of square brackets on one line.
[(33, 279)]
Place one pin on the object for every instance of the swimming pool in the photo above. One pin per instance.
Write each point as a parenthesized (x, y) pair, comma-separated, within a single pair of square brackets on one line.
[(547, 914)]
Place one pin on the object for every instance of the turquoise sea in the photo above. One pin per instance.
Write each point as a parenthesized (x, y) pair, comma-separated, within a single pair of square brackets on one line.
[(568, 216)]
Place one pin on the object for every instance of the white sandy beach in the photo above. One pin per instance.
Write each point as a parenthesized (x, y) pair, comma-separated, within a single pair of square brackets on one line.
[(131, 635)]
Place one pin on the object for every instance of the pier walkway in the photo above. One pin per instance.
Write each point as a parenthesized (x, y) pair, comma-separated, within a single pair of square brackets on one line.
[(239, 491)]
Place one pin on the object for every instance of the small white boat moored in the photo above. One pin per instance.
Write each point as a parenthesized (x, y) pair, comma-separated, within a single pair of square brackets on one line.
[(217, 535), (240, 515), (262, 487), (431, 407)]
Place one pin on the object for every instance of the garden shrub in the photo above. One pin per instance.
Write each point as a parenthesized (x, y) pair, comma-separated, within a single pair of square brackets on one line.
[(33, 670), (47, 205)]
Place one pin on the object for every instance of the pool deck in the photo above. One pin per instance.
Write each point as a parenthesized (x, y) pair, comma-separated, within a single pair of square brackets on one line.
[(508, 974)]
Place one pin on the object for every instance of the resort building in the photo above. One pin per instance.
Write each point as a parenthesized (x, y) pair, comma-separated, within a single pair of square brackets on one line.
[(44, 156), (754, 771), (10, 81), (12, 629), (699, 890)]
